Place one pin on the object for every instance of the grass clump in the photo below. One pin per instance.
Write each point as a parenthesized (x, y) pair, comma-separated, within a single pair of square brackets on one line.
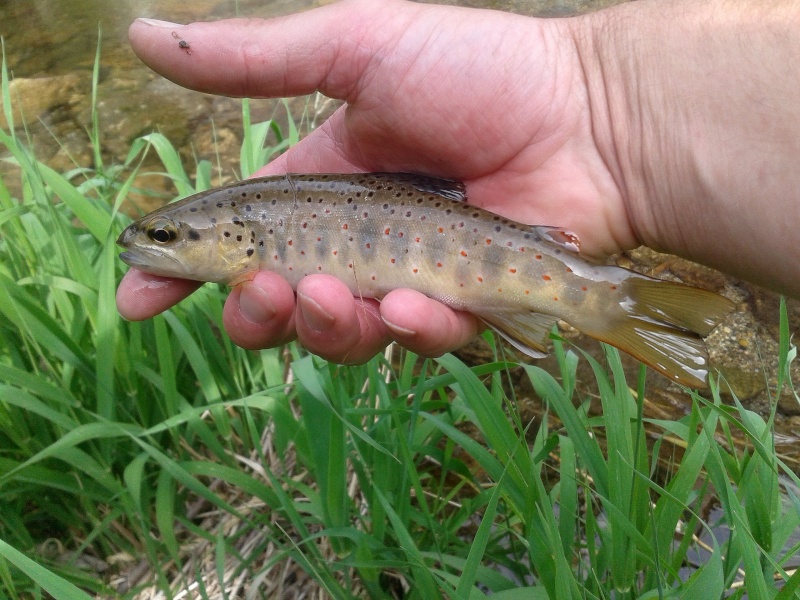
[(254, 474)]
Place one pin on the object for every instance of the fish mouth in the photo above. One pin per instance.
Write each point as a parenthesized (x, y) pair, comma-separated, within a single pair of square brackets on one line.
[(132, 259)]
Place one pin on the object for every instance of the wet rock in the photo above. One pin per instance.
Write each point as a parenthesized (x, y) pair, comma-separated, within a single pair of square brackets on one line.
[(35, 97), (150, 190)]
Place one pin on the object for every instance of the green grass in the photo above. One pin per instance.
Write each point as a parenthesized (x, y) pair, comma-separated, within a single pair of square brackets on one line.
[(112, 434)]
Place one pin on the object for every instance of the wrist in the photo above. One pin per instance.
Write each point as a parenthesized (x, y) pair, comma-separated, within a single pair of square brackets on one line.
[(696, 110)]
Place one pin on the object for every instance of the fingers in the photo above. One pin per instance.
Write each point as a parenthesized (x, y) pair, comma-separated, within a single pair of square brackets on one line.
[(426, 326), (142, 296), (322, 49), (260, 313), (329, 322), (336, 326)]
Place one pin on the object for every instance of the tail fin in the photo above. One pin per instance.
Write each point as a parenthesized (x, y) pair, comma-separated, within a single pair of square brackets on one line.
[(663, 325)]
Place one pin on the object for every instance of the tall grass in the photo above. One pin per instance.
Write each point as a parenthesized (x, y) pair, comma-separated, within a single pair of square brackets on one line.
[(130, 439)]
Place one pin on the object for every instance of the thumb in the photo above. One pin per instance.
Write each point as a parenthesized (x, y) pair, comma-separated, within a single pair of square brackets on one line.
[(325, 49)]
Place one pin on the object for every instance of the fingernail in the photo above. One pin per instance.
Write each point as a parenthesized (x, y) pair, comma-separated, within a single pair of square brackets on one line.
[(314, 315), (255, 304), (400, 331), (157, 23)]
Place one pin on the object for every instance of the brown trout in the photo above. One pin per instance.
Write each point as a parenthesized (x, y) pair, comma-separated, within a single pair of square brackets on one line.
[(381, 231)]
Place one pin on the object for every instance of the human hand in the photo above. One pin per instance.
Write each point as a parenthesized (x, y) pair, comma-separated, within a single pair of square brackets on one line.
[(489, 98), (611, 125)]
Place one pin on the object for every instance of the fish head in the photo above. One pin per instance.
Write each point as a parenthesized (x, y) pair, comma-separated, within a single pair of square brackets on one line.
[(163, 243)]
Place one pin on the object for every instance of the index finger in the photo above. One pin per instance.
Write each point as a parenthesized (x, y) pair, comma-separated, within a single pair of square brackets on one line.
[(141, 295)]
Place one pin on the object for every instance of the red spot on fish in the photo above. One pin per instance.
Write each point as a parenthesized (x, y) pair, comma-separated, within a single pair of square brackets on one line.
[(488, 242), (569, 270), (335, 252), (368, 246), (555, 298), (613, 287), (305, 225), (400, 234), (461, 284), (416, 239), (344, 226), (480, 279), (350, 265), (463, 253), (499, 289), (584, 288), (319, 239), (527, 291), (392, 261), (387, 230), (414, 270), (512, 270), (319, 268), (289, 242), (302, 252), (522, 249), (546, 277), (440, 230), (438, 264), (538, 257), (373, 278)]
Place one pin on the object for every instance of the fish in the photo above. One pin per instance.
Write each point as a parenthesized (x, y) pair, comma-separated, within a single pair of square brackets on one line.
[(381, 231)]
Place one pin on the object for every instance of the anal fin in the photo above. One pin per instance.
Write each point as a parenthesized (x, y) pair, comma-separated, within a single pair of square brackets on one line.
[(526, 330)]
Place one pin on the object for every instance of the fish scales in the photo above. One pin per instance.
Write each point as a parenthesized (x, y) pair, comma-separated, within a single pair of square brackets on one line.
[(382, 231)]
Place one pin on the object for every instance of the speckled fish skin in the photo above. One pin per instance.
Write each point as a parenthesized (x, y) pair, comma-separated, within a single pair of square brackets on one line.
[(381, 231)]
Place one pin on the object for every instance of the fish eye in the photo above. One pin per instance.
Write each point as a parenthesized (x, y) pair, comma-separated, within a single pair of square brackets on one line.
[(162, 231)]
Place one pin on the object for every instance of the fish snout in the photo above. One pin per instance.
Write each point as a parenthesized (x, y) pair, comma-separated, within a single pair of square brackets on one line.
[(128, 234)]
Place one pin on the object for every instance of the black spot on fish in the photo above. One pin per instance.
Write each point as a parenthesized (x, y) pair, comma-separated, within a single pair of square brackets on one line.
[(226, 233), (219, 205), (274, 202), (238, 238), (250, 252), (213, 220), (233, 204), (193, 234), (193, 209), (498, 228), (261, 243), (248, 208)]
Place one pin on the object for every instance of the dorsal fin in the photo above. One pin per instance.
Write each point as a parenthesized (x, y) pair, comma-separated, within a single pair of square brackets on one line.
[(446, 188)]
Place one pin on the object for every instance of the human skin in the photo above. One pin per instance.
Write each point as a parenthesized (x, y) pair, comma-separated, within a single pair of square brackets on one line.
[(670, 124)]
